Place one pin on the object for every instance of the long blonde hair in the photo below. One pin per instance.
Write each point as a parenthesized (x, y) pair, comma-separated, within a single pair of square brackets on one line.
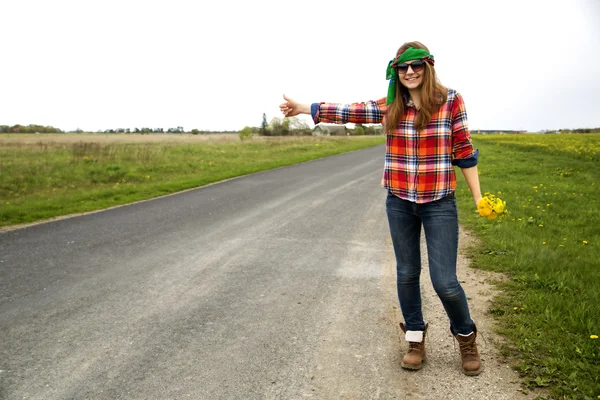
[(433, 95)]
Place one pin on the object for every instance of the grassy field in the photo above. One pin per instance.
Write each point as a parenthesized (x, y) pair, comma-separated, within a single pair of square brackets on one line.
[(549, 247), (44, 176)]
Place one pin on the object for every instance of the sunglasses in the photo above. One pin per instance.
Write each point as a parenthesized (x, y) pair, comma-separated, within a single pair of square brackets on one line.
[(417, 66)]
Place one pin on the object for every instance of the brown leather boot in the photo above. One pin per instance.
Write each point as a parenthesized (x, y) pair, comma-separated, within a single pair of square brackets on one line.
[(471, 363), (415, 356)]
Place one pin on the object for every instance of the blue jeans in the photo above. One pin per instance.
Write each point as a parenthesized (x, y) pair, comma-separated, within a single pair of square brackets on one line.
[(440, 221)]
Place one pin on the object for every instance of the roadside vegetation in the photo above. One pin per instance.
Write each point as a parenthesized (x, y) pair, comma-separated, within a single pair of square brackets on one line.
[(548, 245), (45, 176)]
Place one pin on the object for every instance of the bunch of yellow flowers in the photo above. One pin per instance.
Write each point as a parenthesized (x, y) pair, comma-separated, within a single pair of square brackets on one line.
[(491, 206)]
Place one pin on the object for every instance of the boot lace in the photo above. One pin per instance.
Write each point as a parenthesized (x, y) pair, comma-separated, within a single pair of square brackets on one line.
[(468, 348), (416, 347)]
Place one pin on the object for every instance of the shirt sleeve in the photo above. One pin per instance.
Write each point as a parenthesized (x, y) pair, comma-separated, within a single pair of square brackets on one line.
[(370, 112), (463, 153)]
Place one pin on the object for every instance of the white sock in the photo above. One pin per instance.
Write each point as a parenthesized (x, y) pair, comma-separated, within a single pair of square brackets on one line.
[(414, 336)]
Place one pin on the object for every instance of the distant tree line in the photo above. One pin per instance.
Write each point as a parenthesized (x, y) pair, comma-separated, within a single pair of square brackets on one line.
[(292, 126), (580, 130), (494, 131), (179, 129), (365, 130), (29, 129), (50, 129)]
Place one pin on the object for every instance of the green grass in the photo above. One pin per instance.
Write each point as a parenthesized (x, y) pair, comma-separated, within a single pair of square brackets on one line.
[(48, 178), (549, 247)]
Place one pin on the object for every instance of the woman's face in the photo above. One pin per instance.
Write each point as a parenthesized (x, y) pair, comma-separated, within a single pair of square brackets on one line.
[(411, 79)]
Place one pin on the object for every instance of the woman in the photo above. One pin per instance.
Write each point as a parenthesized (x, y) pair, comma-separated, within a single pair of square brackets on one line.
[(427, 135)]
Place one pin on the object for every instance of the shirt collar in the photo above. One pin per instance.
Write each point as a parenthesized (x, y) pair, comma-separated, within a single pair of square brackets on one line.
[(408, 101)]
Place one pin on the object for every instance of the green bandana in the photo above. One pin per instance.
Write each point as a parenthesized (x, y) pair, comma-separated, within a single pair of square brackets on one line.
[(409, 54)]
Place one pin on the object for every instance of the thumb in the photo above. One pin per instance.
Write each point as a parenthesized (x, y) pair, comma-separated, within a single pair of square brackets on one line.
[(285, 97)]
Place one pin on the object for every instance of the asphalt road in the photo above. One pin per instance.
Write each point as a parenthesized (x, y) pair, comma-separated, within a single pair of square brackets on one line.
[(275, 285)]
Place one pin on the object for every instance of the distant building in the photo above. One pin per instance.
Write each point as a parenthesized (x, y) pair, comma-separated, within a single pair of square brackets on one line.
[(330, 130)]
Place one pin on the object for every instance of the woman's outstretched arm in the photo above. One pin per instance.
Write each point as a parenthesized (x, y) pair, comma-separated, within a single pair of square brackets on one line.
[(371, 112)]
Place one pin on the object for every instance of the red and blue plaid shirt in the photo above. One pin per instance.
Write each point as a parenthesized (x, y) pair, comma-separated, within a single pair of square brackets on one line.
[(419, 166)]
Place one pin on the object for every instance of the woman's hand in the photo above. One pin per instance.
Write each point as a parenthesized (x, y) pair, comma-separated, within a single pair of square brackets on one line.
[(292, 108)]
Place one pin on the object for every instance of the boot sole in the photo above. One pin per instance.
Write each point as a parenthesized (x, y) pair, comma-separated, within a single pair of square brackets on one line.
[(412, 367), (473, 373)]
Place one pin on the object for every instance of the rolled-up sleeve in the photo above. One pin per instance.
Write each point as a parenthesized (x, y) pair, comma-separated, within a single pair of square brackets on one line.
[(463, 153), (370, 112)]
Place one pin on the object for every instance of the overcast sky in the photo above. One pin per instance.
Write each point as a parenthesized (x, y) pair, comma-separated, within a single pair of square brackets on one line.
[(221, 64)]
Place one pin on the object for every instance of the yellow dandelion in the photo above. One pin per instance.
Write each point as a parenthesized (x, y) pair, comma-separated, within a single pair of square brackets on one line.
[(547, 205), (585, 242), (515, 308), (544, 243), (484, 209), (499, 206), (541, 225), (491, 206), (535, 187), (594, 337), (538, 206)]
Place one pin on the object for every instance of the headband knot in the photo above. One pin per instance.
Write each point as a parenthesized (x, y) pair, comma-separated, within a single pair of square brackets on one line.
[(409, 54)]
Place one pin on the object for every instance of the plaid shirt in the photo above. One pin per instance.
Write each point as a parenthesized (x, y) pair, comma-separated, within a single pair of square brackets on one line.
[(419, 166)]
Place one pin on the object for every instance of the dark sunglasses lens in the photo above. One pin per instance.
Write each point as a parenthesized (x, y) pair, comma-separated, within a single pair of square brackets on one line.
[(402, 67), (417, 65)]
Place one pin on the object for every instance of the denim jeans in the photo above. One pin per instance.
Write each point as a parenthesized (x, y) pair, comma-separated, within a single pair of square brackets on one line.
[(440, 221)]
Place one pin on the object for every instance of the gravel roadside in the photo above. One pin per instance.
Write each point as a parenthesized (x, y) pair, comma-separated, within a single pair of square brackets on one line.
[(354, 364), (441, 376)]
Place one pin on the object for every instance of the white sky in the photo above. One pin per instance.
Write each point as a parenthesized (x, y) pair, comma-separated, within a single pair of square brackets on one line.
[(219, 64)]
